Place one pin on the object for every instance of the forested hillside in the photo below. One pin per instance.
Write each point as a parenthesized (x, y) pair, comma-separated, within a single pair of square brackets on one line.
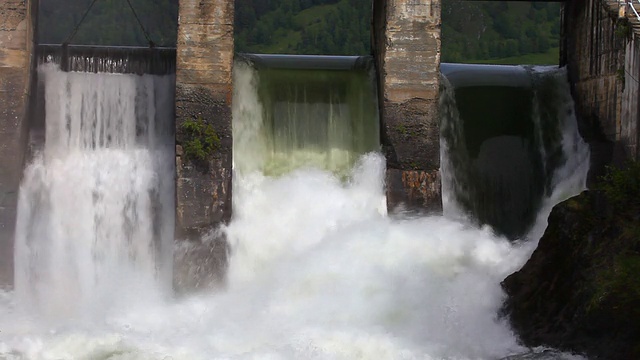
[(473, 31), (337, 27), (501, 32), (110, 22)]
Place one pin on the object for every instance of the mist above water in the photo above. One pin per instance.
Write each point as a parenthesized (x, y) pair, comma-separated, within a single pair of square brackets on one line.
[(317, 271)]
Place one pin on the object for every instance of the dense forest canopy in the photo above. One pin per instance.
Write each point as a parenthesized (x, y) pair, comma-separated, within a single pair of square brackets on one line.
[(336, 27), (486, 31), (110, 22), (473, 31)]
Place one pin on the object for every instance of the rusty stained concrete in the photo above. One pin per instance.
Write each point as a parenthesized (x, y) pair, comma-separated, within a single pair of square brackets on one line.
[(406, 36), (16, 43), (416, 191)]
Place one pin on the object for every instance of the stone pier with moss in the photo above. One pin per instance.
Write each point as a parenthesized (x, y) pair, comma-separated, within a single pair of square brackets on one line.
[(17, 29), (203, 116)]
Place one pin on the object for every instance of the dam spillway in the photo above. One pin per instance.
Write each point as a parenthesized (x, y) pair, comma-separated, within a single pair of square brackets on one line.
[(292, 111), (506, 132), (502, 128), (96, 205), (316, 269)]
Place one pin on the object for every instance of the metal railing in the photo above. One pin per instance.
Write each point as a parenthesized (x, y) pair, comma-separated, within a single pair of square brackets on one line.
[(631, 3)]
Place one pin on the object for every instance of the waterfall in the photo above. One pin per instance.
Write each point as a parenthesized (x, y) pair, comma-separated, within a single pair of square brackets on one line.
[(317, 270), (287, 118), (509, 134), (96, 206)]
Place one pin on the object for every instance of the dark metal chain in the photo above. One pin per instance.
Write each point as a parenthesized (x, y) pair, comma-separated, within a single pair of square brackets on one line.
[(75, 30), (146, 34)]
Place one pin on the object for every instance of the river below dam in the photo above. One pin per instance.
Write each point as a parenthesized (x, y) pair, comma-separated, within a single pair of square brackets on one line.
[(319, 268)]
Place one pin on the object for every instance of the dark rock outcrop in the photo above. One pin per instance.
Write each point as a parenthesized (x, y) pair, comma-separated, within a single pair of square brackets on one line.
[(580, 290)]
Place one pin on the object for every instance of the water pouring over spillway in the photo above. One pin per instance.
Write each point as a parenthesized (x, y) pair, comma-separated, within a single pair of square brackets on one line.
[(317, 269), (509, 136), (303, 111), (96, 205)]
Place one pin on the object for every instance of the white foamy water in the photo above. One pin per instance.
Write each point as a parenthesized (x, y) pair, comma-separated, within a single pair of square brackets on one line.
[(95, 212), (317, 271)]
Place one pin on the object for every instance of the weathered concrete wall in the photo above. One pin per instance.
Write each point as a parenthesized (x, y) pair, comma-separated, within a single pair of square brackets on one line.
[(602, 59), (406, 39), (16, 43), (563, 297), (629, 108), (203, 90)]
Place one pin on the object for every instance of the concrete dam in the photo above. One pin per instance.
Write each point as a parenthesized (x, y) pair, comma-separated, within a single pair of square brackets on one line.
[(308, 191)]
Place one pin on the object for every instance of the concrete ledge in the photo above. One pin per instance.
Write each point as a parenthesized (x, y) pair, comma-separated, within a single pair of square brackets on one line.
[(16, 31)]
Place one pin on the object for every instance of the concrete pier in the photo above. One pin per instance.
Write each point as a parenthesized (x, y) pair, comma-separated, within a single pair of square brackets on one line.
[(203, 94), (17, 29), (203, 91), (406, 42)]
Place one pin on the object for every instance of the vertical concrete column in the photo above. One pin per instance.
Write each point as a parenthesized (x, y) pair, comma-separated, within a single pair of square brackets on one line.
[(17, 29), (406, 36), (203, 91), (630, 99), (601, 59)]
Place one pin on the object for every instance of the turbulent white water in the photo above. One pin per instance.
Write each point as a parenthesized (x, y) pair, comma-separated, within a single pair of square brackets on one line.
[(317, 271), (96, 207)]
